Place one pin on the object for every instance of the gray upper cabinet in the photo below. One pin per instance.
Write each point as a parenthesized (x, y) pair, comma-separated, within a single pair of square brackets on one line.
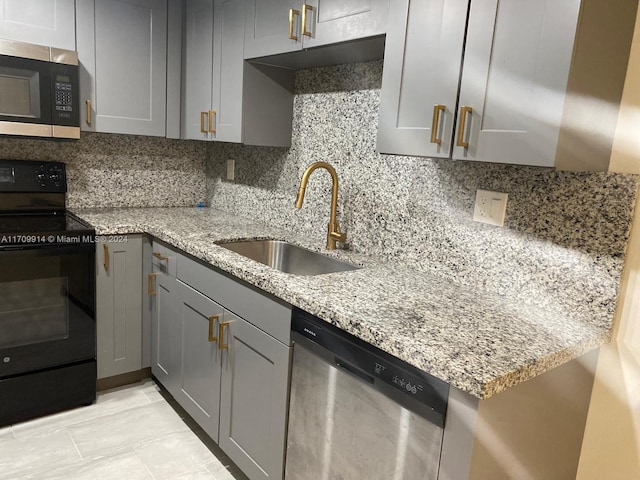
[(213, 70), (253, 405), (45, 22), (420, 78), (272, 26), (334, 21), (513, 79), (198, 70), (122, 49), (119, 306), (279, 26)]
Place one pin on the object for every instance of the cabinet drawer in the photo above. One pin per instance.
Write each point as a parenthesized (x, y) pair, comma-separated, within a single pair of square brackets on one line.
[(164, 259), (267, 313)]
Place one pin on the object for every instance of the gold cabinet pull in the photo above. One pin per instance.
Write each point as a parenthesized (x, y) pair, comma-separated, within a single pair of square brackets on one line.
[(305, 7), (461, 128), (160, 257), (203, 115), (221, 344), (150, 289), (436, 122), (211, 122), (106, 257), (292, 16), (88, 104), (212, 321)]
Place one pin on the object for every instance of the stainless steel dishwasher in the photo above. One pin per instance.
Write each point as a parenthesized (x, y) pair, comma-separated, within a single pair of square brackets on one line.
[(357, 412)]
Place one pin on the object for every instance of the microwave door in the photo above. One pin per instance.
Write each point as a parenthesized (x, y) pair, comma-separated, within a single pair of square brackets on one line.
[(25, 97)]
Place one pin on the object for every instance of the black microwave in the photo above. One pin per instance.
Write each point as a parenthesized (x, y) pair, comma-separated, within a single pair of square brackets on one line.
[(39, 91)]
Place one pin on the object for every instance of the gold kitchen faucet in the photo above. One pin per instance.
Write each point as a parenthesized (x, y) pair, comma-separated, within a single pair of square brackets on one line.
[(333, 233)]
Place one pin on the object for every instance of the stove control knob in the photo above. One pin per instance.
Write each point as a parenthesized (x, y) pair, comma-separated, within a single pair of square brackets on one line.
[(6, 359)]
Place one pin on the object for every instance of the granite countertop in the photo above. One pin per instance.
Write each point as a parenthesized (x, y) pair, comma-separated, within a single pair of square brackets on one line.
[(478, 342)]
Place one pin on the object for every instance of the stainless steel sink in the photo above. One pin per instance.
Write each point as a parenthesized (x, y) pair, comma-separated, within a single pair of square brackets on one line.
[(287, 257)]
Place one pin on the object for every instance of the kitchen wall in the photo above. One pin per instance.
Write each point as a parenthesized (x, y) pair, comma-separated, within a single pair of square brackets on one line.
[(564, 236), (121, 170), (611, 446)]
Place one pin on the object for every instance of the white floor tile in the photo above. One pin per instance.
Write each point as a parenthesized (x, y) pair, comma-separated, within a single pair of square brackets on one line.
[(21, 456), (219, 471), (6, 432), (123, 430), (107, 403), (131, 433), (199, 474), (119, 467), (174, 454)]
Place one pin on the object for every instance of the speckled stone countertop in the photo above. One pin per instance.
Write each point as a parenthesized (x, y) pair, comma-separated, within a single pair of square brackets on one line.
[(478, 342)]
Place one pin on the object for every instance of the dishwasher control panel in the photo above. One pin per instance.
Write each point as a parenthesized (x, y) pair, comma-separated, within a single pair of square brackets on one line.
[(414, 389)]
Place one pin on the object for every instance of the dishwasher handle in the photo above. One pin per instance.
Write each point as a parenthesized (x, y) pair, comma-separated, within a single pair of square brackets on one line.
[(356, 372)]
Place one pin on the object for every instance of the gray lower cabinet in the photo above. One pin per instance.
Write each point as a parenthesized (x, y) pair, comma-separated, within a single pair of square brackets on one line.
[(254, 399), (201, 359), (122, 50), (44, 22), (119, 306), (166, 348), (230, 373), (280, 26)]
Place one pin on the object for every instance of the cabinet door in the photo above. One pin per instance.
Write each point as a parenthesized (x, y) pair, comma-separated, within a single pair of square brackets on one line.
[(269, 24), (420, 77), (165, 331), (199, 392), (514, 77), (228, 68), (198, 68), (45, 22), (253, 408), (119, 307), (334, 21), (122, 48)]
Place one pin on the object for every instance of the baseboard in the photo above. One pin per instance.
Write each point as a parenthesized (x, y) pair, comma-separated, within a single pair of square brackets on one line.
[(123, 379)]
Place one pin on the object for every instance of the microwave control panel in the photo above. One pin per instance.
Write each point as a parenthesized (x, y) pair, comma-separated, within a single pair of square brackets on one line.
[(64, 80), (63, 91)]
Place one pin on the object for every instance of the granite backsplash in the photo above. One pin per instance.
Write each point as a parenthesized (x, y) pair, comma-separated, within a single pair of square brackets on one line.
[(565, 233), (107, 170)]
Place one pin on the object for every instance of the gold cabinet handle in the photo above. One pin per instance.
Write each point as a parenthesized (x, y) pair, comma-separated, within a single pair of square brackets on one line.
[(436, 122), (305, 7), (211, 122), (160, 257), (461, 128), (221, 344), (88, 104), (292, 15), (106, 257), (212, 321), (203, 115), (150, 289)]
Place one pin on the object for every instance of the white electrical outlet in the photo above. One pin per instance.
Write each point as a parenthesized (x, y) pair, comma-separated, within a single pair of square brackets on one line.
[(490, 207), (231, 169)]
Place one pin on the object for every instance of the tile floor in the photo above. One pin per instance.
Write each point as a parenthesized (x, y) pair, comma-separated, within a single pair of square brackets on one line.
[(130, 433)]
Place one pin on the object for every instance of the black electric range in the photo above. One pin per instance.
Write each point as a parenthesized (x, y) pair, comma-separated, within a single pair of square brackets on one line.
[(47, 295)]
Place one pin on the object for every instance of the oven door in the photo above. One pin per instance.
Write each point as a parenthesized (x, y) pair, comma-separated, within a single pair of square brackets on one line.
[(25, 96), (47, 307)]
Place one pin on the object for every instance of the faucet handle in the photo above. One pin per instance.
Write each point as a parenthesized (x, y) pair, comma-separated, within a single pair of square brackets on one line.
[(335, 235)]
